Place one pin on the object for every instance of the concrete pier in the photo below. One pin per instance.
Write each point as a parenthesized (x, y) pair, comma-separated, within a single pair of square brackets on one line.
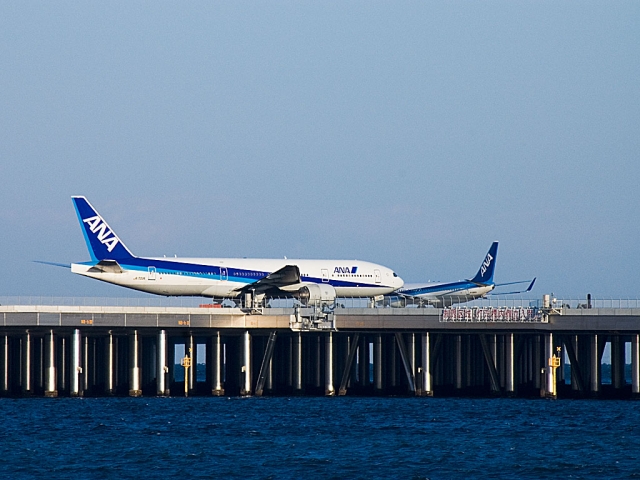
[(53, 351)]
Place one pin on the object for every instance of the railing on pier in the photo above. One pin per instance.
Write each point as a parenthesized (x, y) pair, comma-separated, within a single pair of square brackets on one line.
[(356, 302)]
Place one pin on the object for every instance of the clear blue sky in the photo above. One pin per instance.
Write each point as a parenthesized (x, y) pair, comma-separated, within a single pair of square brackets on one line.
[(410, 134)]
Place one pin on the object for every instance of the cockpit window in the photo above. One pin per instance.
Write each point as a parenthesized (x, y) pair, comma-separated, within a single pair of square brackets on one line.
[(395, 274)]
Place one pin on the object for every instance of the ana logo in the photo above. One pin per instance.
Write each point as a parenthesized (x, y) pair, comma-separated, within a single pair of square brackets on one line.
[(486, 263), (104, 234), (351, 270)]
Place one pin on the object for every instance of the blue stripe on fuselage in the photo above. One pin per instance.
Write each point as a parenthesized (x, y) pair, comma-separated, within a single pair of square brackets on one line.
[(212, 272)]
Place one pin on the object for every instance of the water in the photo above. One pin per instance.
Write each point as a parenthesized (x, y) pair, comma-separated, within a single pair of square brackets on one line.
[(318, 437)]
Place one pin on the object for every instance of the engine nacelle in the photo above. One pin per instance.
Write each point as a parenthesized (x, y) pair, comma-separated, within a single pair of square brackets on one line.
[(313, 293)]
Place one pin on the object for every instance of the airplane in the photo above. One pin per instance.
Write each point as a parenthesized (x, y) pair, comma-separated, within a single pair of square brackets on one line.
[(310, 281), (446, 294)]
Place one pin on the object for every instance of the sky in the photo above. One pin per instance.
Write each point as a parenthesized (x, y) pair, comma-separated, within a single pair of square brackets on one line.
[(410, 134)]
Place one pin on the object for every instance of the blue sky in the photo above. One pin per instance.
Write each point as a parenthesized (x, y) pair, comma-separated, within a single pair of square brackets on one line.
[(410, 134)]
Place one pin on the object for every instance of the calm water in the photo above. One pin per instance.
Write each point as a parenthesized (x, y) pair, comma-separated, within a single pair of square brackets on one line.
[(319, 437)]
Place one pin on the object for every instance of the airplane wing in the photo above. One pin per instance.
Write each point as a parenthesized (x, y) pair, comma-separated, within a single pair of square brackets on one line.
[(515, 283), (287, 275)]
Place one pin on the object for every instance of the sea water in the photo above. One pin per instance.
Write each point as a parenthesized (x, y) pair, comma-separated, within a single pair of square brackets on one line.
[(295, 437)]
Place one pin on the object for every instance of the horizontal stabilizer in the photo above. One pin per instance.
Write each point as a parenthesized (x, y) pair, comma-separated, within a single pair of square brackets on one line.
[(64, 265)]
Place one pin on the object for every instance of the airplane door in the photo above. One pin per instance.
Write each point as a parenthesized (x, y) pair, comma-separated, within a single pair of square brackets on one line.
[(325, 275), (376, 274), (223, 274), (152, 273)]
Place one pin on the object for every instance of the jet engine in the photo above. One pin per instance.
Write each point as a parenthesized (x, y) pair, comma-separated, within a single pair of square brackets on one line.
[(313, 293)]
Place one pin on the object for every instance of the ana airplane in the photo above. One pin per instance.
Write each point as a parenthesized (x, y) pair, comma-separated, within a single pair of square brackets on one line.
[(307, 280), (446, 294)]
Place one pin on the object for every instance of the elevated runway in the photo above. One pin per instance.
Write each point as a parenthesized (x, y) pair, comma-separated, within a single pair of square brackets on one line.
[(108, 350)]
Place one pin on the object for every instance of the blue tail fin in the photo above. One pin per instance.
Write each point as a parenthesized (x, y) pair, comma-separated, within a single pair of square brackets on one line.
[(485, 274), (102, 242)]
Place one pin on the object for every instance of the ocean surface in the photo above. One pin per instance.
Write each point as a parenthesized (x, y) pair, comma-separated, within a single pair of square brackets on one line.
[(344, 437)]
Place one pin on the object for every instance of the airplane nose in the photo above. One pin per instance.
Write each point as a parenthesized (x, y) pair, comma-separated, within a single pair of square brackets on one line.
[(398, 283)]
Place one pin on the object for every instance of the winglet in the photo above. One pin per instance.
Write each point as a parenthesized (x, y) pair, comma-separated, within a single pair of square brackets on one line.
[(485, 274), (102, 241), (530, 285)]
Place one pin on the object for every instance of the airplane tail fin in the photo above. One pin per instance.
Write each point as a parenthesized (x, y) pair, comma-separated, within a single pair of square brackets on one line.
[(102, 242), (485, 274)]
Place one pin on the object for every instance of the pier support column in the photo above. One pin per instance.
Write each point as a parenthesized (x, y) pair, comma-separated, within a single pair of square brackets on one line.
[(85, 364), (596, 368), (191, 351), (50, 388), (297, 362), (458, 361), (509, 350), (4, 381), (426, 387), (134, 365), (574, 344), (245, 385), (109, 374), (26, 364), (75, 375), (162, 369), (329, 389), (617, 362), (377, 364), (217, 389), (635, 366)]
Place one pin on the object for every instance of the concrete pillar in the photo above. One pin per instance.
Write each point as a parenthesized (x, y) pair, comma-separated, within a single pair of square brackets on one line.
[(245, 384), (377, 363), (50, 388), (85, 364), (109, 374), (38, 364), (596, 368), (191, 351), (27, 386), (216, 366), (574, 343), (363, 361), (635, 365), (4, 381), (536, 362), (427, 388), (458, 361), (317, 342), (617, 362), (134, 365), (392, 356), (162, 369), (297, 362), (509, 350), (329, 389), (411, 352), (75, 374)]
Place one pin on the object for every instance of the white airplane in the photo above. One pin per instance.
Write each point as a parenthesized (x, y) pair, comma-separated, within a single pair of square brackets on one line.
[(308, 280), (446, 294)]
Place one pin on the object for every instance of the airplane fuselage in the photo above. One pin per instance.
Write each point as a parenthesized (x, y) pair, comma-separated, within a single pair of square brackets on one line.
[(445, 294), (223, 277)]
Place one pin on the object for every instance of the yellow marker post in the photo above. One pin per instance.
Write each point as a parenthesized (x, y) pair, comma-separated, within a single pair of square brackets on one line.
[(186, 363), (554, 363)]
